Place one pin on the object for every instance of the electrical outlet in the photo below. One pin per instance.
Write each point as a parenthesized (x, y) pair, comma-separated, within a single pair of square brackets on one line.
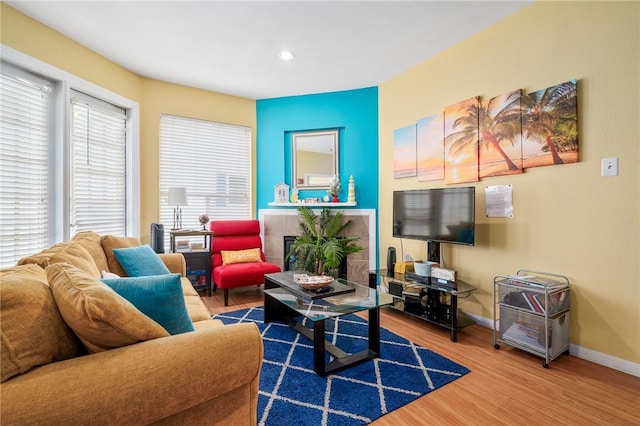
[(610, 166)]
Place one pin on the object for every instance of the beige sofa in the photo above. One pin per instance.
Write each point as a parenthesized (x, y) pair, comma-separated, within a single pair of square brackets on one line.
[(208, 376)]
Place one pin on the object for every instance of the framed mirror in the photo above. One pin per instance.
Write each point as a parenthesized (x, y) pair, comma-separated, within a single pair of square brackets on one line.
[(314, 158)]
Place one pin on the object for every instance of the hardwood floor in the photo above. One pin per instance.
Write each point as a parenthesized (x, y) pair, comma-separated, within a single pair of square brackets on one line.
[(505, 386)]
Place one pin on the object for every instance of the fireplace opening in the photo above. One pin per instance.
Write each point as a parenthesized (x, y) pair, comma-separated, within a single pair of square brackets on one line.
[(288, 242)]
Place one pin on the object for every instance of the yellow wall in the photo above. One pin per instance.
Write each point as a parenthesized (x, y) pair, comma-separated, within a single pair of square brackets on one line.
[(165, 98), (567, 219), (32, 38), (154, 97)]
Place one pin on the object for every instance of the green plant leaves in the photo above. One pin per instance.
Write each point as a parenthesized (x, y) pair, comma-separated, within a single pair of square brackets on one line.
[(319, 249)]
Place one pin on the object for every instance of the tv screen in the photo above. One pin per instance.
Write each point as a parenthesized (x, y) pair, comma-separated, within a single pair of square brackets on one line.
[(444, 215)]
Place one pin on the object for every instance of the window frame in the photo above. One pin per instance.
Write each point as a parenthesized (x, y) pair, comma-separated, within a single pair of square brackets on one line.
[(59, 229)]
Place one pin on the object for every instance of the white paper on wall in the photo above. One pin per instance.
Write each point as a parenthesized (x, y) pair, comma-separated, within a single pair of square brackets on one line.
[(499, 201)]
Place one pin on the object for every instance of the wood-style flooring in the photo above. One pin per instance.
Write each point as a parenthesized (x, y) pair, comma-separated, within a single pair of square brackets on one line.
[(505, 387)]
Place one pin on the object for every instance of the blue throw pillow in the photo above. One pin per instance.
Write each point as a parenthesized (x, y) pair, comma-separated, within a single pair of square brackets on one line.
[(159, 297), (140, 261)]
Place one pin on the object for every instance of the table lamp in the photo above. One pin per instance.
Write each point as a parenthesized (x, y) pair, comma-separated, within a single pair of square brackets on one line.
[(177, 197)]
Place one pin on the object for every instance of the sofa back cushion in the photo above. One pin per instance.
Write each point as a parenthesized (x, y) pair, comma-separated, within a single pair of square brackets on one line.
[(100, 317), (90, 241), (32, 330), (67, 252), (110, 242)]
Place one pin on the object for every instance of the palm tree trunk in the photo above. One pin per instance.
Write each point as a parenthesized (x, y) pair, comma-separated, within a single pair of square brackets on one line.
[(553, 150), (510, 164)]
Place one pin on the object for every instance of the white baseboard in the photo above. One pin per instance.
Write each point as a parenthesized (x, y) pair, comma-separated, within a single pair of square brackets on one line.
[(600, 358)]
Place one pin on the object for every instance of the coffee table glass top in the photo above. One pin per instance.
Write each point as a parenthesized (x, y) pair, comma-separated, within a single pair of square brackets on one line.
[(346, 297)]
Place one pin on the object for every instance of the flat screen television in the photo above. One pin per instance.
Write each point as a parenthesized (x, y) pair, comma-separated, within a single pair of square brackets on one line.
[(443, 215)]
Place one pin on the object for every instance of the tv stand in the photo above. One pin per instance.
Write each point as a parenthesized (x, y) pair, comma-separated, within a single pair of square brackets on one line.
[(427, 299)]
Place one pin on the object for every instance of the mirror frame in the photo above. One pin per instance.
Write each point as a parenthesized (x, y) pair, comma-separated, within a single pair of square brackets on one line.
[(297, 139)]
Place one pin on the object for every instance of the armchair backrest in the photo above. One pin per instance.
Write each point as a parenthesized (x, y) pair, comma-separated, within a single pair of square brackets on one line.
[(234, 235)]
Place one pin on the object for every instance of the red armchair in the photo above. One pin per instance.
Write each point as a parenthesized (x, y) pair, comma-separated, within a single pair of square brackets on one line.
[(232, 236)]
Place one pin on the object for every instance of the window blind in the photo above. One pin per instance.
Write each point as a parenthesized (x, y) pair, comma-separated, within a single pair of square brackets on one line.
[(98, 158), (210, 159), (25, 134)]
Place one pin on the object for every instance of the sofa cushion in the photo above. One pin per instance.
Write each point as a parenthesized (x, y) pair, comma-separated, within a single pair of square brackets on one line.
[(159, 297), (42, 258), (31, 328), (242, 274), (140, 261), (240, 256), (77, 256), (197, 311), (90, 241), (100, 317), (68, 252), (110, 242)]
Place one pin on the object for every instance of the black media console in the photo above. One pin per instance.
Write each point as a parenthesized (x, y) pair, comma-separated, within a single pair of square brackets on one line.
[(427, 299)]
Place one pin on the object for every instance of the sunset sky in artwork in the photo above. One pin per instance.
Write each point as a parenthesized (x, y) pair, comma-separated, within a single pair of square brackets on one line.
[(404, 151), (430, 147)]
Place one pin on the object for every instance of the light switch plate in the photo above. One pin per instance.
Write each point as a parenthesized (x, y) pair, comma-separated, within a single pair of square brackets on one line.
[(610, 166)]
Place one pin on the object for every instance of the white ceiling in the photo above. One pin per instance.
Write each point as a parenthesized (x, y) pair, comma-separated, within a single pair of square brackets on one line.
[(232, 46)]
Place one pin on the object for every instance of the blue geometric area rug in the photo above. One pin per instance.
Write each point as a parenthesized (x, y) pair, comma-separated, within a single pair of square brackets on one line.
[(291, 393)]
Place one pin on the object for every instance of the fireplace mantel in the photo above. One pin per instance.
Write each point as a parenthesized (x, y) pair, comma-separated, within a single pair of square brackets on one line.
[(315, 205)]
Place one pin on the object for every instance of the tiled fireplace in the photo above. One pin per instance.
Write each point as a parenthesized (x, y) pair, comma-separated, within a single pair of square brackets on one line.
[(277, 223)]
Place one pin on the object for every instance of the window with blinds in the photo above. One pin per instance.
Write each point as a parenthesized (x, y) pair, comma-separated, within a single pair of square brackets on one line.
[(25, 174), (212, 160), (65, 158), (98, 158)]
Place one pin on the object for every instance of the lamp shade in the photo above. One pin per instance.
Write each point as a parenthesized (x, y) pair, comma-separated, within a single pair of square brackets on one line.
[(177, 196)]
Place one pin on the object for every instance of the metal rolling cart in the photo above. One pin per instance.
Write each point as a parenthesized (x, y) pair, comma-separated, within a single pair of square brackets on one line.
[(531, 312)]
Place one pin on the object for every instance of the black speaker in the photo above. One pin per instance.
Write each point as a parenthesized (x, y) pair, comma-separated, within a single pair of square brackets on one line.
[(433, 251), (391, 261), (157, 237)]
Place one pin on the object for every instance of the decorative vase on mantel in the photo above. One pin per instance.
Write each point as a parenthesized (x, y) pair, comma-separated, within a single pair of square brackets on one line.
[(334, 199)]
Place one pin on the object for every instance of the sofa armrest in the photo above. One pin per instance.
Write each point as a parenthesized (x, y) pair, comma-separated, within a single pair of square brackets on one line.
[(175, 262), (138, 384)]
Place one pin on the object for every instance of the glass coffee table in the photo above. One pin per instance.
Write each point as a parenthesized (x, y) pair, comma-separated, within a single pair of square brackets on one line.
[(287, 302)]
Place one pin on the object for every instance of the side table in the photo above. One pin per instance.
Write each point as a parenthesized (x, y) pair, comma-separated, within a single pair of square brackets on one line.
[(198, 261)]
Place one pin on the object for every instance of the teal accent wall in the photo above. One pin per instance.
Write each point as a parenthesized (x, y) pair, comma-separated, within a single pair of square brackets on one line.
[(354, 112)]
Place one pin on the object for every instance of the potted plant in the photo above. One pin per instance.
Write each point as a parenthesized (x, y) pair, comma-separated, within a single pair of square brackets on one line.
[(319, 248), (334, 188)]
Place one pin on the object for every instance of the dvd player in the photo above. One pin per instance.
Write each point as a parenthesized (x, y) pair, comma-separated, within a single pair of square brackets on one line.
[(429, 280)]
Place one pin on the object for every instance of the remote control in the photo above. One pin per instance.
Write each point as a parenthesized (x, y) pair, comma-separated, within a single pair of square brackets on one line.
[(323, 290)]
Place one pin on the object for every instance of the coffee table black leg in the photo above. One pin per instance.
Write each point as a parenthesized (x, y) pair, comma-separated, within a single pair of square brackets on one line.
[(374, 320), (374, 330), (319, 348)]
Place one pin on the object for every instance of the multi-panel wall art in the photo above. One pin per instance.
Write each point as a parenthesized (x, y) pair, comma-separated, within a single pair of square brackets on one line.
[(503, 135)]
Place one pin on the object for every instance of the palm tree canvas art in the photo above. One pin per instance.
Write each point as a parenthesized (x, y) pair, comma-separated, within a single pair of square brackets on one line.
[(461, 141), (550, 125), (404, 152), (500, 135), (430, 147)]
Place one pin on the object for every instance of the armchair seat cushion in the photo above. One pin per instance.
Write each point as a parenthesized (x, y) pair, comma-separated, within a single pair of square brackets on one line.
[(242, 274)]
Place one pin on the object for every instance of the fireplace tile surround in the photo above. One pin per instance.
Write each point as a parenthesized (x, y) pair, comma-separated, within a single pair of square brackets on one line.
[(275, 224)]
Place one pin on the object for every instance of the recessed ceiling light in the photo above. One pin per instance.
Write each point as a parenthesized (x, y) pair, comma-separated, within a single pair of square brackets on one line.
[(286, 55)]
